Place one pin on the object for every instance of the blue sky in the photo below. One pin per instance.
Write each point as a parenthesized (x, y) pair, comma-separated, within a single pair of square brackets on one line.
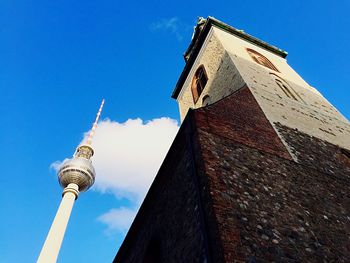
[(58, 59)]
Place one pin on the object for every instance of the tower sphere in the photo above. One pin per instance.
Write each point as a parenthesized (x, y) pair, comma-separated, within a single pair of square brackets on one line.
[(75, 175), (78, 170)]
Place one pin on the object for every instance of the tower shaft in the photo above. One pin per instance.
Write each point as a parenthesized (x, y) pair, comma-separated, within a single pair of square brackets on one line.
[(75, 175), (52, 245)]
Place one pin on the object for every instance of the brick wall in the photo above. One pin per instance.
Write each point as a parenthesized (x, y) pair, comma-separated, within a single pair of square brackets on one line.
[(229, 191), (170, 215), (267, 206)]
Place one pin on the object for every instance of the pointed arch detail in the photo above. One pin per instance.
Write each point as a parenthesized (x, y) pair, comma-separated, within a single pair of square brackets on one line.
[(261, 59), (199, 81)]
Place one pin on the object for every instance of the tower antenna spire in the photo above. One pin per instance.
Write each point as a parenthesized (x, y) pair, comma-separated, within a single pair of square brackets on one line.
[(75, 175), (94, 126)]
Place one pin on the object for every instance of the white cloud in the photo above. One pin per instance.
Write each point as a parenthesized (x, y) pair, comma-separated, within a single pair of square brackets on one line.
[(118, 219), (128, 155), (172, 25), (56, 165), (127, 158)]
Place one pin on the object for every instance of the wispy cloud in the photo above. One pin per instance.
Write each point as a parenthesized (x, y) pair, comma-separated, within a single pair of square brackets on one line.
[(172, 25), (56, 165), (127, 157), (118, 220)]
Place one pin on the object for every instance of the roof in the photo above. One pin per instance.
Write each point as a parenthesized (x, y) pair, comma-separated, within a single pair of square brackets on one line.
[(201, 31)]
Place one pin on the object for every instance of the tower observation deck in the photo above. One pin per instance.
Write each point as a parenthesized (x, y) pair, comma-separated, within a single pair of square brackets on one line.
[(75, 175)]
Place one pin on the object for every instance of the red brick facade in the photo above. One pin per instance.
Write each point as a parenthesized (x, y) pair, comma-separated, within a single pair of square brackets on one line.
[(229, 191)]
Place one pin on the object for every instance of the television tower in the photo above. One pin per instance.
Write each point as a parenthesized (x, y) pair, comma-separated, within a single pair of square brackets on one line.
[(75, 175)]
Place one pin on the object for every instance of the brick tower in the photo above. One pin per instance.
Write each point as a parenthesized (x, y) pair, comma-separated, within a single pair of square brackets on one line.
[(259, 170)]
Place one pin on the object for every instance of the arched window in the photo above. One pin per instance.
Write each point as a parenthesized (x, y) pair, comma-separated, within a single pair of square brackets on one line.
[(261, 59), (286, 88), (206, 100), (199, 81)]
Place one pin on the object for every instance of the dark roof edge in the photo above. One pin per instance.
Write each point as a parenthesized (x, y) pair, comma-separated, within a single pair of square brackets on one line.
[(248, 37), (199, 39)]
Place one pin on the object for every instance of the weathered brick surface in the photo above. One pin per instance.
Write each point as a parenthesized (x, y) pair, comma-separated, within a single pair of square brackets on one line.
[(272, 209), (239, 117), (170, 214), (228, 191), (268, 207), (314, 152)]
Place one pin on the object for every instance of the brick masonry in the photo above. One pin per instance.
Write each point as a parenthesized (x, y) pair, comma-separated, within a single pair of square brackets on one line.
[(170, 217), (268, 207), (229, 191)]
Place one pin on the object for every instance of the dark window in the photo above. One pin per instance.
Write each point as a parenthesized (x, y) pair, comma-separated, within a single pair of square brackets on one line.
[(199, 81), (261, 59)]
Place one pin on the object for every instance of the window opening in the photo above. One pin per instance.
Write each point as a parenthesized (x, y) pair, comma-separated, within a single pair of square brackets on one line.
[(199, 81), (261, 59)]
